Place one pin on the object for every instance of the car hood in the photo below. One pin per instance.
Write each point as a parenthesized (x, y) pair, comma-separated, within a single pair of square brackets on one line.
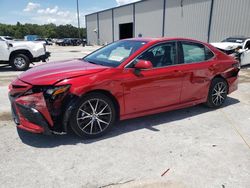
[(51, 73), (226, 45), (18, 43)]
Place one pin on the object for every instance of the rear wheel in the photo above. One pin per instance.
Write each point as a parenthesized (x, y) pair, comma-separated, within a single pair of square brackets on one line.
[(20, 62), (217, 93), (94, 116)]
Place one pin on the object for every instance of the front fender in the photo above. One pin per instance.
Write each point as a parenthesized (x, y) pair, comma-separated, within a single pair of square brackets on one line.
[(72, 101)]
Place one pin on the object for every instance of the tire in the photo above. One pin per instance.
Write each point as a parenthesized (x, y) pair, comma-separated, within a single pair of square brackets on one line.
[(217, 93), (93, 116), (20, 62)]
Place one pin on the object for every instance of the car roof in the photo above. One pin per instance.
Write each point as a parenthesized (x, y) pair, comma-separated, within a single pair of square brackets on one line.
[(162, 39), (238, 37)]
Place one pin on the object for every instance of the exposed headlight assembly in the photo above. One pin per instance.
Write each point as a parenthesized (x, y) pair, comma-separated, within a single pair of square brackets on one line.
[(49, 91), (57, 90)]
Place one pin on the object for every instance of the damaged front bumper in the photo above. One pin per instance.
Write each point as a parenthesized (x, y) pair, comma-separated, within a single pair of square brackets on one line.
[(34, 110), (26, 115), (42, 57)]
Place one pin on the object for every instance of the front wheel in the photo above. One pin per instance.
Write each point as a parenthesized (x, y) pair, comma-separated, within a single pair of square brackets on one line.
[(94, 116), (217, 93), (20, 62)]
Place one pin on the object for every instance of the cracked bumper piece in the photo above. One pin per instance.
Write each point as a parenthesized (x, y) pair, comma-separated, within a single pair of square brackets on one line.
[(30, 113), (42, 57), (32, 120)]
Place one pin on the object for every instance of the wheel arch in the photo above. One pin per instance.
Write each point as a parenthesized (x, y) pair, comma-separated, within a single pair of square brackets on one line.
[(221, 77), (25, 52), (109, 95)]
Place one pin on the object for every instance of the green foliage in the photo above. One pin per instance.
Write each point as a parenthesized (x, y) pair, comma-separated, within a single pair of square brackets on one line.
[(19, 30)]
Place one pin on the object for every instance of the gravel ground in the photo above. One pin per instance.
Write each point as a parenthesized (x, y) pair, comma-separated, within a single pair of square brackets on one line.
[(192, 147)]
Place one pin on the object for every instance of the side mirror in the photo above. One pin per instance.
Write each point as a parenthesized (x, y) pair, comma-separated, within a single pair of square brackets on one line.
[(143, 64)]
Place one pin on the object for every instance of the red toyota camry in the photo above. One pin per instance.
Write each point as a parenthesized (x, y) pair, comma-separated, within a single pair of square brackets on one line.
[(126, 79)]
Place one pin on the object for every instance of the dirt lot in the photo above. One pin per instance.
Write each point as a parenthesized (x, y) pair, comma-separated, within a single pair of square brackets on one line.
[(193, 147)]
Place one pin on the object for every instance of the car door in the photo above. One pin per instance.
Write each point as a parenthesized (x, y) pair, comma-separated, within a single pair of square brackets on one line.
[(197, 66), (4, 51), (157, 87), (245, 56)]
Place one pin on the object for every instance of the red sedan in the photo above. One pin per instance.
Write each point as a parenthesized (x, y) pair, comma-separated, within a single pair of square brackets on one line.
[(126, 79)]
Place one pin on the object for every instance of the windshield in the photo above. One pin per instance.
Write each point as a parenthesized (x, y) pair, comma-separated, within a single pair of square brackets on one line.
[(237, 40), (114, 54)]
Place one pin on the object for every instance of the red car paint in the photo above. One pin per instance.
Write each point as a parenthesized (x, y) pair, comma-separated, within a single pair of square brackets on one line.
[(37, 101), (51, 73), (184, 84)]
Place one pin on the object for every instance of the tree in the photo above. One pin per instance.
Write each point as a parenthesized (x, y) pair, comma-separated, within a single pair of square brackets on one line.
[(45, 31)]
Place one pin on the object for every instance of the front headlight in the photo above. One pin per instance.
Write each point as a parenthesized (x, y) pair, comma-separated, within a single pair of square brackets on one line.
[(57, 90), (49, 91)]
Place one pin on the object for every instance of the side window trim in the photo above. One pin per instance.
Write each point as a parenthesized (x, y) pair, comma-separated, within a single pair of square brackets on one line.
[(180, 53)]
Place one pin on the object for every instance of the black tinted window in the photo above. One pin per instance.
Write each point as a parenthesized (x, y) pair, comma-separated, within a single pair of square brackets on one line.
[(208, 54), (247, 46), (8, 38), (161, 55)]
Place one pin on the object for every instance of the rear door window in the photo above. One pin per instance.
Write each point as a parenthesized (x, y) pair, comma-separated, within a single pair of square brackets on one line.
[(195, 52)]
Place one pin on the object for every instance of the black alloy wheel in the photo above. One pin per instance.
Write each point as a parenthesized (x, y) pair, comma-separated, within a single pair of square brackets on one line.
[(217, 93)]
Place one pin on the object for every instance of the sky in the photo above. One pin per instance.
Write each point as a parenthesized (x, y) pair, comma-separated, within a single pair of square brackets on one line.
[(52, 11)]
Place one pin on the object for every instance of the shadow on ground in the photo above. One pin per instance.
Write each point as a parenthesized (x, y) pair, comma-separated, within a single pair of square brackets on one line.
[(5, 68), (122, 127)]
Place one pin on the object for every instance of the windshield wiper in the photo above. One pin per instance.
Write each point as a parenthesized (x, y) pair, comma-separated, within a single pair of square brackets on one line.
[(90, 62), (94, 62)]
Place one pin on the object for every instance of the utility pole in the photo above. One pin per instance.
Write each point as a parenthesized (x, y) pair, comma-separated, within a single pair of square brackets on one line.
[(78, 19)]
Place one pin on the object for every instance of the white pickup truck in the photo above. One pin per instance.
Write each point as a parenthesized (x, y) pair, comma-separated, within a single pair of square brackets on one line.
[(19, 54)]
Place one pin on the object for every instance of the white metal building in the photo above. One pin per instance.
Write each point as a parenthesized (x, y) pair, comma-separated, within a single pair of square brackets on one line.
[(205, 20)]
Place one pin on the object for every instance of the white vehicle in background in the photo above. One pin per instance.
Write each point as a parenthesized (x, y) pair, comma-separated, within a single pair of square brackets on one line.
[(19, 54), (45, 41), (236, 46)]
